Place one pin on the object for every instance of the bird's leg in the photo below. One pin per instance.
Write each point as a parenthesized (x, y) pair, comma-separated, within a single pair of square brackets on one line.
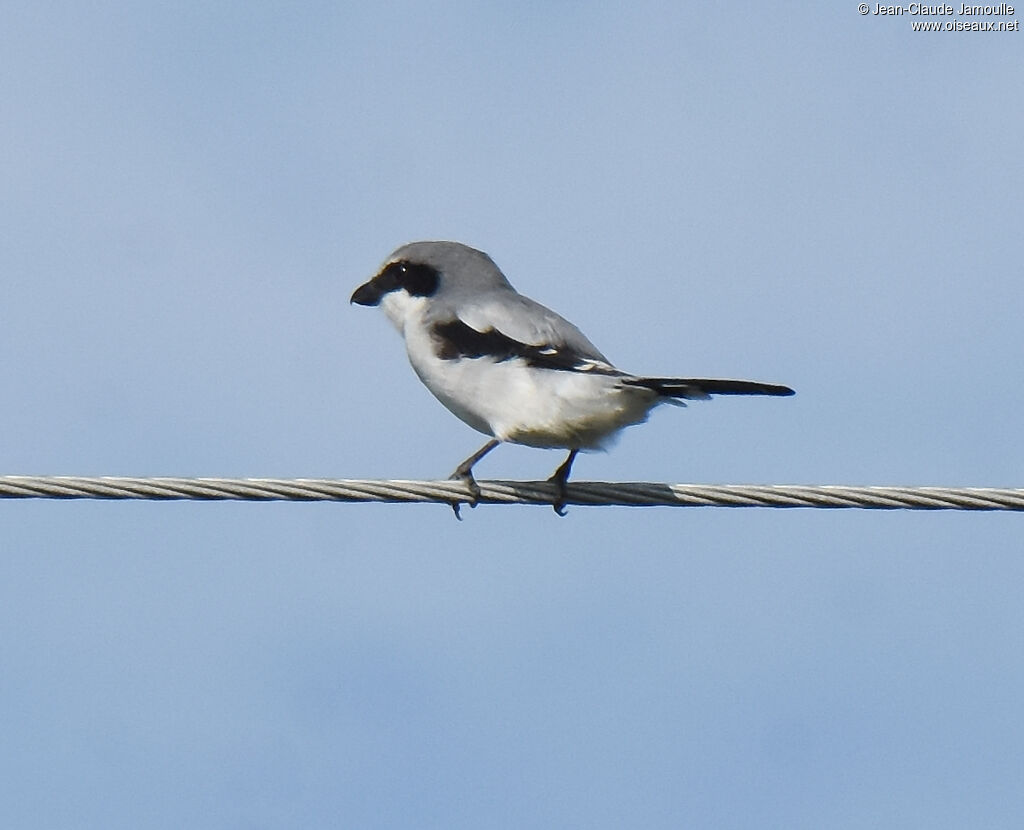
[(464, 472), (559, 478)]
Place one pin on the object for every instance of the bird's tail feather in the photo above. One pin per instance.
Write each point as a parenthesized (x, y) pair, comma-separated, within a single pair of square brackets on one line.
[(695, 389)]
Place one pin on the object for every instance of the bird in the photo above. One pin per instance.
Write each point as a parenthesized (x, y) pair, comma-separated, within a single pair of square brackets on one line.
[(512, 368)]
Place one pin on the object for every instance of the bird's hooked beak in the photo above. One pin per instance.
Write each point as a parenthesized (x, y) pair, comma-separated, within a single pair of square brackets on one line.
[(368, 293)]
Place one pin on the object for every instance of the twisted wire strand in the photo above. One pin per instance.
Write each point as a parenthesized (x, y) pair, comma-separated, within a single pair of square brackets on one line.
[(633, 494)]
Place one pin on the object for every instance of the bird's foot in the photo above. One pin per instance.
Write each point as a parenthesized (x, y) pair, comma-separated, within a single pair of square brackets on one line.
[(560, 478), (464, 473), (466, 477)]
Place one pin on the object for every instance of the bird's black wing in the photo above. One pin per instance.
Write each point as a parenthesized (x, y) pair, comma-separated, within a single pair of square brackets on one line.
[(454, 339)]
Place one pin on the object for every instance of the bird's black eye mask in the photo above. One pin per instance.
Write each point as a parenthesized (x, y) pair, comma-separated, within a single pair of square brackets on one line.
[(417, 279)]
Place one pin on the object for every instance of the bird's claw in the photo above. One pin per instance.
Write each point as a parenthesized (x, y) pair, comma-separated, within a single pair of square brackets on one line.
[(474, 491), (560, 478), (558, 505)]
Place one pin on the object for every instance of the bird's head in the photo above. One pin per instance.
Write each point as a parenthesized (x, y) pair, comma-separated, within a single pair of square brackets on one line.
[(424, 272)]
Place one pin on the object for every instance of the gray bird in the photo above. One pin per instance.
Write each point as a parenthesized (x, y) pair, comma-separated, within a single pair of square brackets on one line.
[(511, 368)]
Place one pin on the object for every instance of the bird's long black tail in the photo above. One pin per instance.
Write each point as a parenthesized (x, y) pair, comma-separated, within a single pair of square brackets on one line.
[(696, 389)]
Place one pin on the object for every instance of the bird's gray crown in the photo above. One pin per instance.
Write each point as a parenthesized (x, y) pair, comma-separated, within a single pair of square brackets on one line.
[(458, 265)]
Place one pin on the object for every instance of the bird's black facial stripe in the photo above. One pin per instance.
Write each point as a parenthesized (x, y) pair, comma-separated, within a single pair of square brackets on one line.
[(416, 278), (454, 340)]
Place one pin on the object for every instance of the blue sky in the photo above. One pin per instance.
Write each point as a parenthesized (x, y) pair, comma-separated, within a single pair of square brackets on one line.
[(793, 193)]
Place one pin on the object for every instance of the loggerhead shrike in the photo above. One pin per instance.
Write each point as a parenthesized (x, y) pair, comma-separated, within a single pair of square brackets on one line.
[(511, 368)]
